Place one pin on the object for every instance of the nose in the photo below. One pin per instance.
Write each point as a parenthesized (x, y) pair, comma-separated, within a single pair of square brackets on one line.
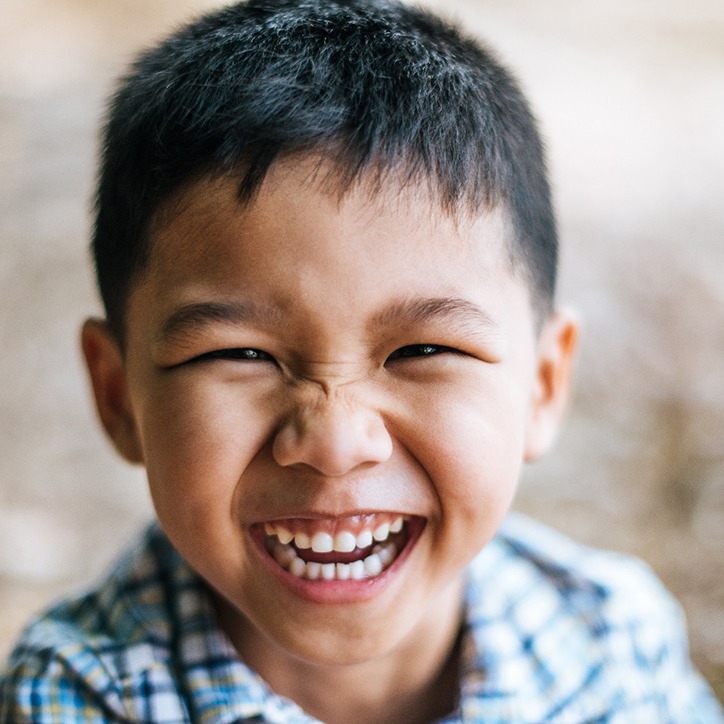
[(333, 436)]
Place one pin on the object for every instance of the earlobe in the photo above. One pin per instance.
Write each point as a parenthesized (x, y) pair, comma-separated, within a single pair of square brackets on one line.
[(107, 372), (553, 383)]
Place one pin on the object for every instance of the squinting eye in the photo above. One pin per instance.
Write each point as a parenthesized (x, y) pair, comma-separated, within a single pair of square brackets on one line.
[(419, 350), (235, 353)]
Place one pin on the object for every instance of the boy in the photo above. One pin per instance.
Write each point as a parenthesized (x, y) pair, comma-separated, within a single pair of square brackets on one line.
[(327, 254)]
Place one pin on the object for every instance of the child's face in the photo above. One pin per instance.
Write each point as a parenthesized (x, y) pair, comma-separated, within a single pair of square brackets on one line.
[(304, 366)]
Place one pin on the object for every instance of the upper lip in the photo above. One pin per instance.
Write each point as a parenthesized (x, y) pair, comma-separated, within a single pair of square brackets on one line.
[(332, 525), (357, 515)]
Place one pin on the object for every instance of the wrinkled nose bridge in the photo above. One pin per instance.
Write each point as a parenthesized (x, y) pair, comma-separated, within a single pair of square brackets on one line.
[(332, 428)]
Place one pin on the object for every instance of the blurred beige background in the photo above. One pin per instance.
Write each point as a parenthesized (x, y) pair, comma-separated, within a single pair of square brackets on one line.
[(631, 98)]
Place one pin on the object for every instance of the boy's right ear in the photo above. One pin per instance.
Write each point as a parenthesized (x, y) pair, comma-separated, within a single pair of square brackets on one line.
[(107, 371)]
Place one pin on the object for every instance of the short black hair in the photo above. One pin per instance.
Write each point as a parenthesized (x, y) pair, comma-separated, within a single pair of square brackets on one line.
[(375, 86)]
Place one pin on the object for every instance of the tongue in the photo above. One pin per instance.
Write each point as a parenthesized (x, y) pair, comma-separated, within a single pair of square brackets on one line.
[(357, 554)]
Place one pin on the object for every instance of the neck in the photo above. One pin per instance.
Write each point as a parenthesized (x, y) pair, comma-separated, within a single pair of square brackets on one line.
[(416, 681)]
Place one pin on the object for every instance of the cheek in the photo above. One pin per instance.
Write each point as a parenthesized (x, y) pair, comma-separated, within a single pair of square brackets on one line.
[(470, 442), (200, 438)]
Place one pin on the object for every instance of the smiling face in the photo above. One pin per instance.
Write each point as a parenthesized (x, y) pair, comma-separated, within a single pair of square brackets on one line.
[(333, 400)]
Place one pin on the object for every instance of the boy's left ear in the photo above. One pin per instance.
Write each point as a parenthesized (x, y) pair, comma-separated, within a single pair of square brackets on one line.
[(553, 382)]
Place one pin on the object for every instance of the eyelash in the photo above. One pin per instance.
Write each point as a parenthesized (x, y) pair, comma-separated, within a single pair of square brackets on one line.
[(420, 350), (246, 354), (249, 354)]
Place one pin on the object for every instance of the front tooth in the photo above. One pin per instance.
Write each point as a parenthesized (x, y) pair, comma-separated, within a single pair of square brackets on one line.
[(364, 539), (284, 536), (322, 542), (269, 529), (313, 570), (302, 541), (328, 571), (382, 532), (357, 570), (345, 542), (342, 571), (373, 565), (396, 525)]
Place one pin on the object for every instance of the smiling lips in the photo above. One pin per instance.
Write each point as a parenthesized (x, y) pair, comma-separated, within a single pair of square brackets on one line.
[(354, 549)]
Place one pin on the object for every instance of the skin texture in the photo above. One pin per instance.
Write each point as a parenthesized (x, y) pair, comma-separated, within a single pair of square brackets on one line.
[(328, 418)]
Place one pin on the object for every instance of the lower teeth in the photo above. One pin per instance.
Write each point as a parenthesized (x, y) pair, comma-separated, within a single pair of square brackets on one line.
[(370, 567)]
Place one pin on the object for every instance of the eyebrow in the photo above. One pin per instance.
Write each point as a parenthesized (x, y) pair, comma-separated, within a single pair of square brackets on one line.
[(464, 314), (191, 317)]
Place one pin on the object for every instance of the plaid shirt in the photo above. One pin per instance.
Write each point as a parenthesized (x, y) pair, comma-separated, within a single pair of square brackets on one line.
[(554, 632)]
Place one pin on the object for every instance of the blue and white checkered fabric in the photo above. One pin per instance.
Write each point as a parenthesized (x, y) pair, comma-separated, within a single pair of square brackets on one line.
[(554, 632)]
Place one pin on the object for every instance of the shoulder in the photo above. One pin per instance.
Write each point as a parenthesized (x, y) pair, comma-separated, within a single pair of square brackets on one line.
[(607, 589), (82, 659), (584, 632)]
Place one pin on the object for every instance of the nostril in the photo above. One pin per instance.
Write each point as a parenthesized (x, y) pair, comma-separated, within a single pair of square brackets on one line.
[(333, 442)]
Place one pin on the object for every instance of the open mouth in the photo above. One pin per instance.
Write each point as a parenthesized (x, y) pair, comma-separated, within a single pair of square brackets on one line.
[(351, 549)]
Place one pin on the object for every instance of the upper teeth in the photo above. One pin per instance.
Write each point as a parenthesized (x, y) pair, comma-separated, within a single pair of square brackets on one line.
[(343, 541)]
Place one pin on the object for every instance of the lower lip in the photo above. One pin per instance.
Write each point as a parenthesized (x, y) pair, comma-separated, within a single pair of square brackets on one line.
[(349, 591)]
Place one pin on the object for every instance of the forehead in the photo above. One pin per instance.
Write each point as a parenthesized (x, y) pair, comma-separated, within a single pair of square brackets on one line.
[(302, 256), (207, 219)]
